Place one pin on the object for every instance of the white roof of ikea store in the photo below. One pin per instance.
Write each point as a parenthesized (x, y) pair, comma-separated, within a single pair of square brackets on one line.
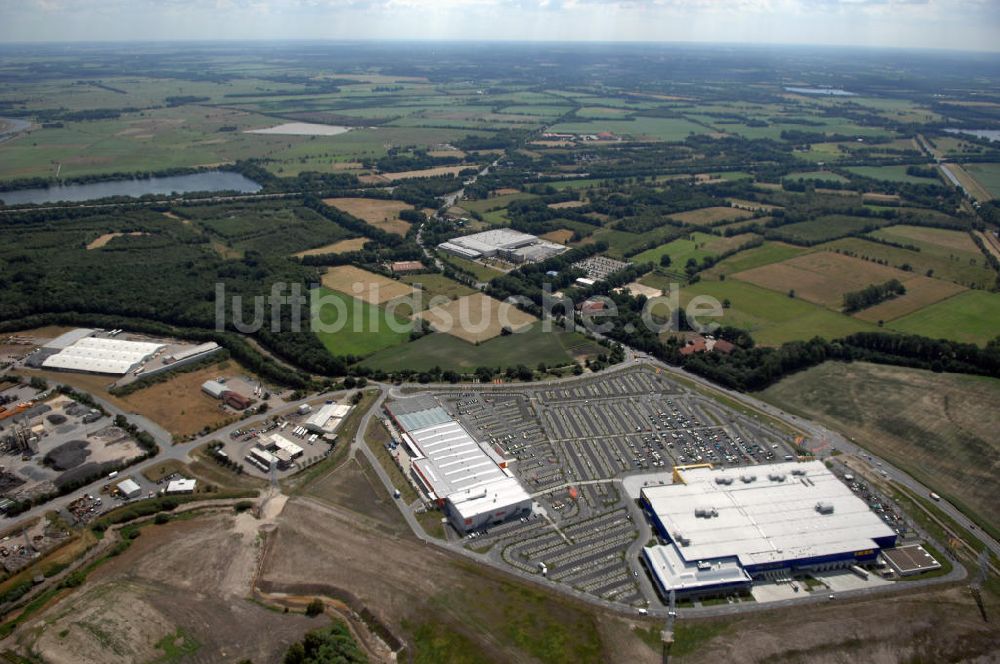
[(675, 573), (99, 355), (453, 461), (765, 521), (488, 496)]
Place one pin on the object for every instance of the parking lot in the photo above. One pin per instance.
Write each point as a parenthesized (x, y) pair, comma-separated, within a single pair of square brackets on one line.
[(572, 445)]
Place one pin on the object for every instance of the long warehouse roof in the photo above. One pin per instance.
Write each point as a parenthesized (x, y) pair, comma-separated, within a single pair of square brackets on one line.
[(764, 514), (100, 355), (455, 465)]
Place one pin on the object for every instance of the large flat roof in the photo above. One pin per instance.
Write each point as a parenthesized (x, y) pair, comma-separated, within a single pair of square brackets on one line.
[(675, 573), (100, 355), (764, 514), (451, 461)]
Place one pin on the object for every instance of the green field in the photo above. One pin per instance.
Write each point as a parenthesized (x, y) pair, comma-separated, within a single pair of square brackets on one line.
[(765, 254), (364, 329), (438, 285), (447, 352), (697, 246), (972, 317), (939, 428), (828, 227), (773, 318), (481, 272), (988, 175), (951, 262), (891, 174)]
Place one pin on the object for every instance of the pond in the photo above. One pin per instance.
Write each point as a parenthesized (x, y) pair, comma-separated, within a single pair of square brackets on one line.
[(180, 184), (989, 134), (830, 92)]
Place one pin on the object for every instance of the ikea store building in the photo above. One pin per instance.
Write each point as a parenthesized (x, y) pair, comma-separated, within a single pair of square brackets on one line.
[(724, 528)]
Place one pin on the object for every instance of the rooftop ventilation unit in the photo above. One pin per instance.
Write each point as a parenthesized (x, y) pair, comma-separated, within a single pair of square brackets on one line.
[(824, 507), (776, 477), (705, 512), (747, 479), (798, 471), (724, 480), (704, 565)]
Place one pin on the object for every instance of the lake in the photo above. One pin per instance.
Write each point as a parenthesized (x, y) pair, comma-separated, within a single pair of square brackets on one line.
[(831, 92), (181, 184), (11, 126), (301, 129), (989, 134)]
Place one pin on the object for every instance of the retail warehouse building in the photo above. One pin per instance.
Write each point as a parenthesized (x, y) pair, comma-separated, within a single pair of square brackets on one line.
[(468, 480), (724, 528)]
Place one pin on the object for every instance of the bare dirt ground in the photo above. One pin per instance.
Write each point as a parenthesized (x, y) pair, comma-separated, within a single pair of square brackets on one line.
[(382, 214), (364, 285), (940, 626), (476, 318), (411, 587), (424, 173), (108, 237), (191, 578), (179, 405), (341, 247)]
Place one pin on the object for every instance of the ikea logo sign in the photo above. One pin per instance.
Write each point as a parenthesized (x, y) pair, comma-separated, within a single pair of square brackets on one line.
[(866, 552)]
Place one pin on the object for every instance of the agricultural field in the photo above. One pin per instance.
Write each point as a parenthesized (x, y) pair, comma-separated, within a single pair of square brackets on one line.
[(437, 285), (482, 272), (382, 214), (340, 247), (367, 286), (697, 246), (765, 254), (828, 227), (772, 318), (950, 255), (972, 317), (476, 318), (824, 277), (940, 428), (969, 182), (348, 326), (987, 175), (711, 216), (448, 352)]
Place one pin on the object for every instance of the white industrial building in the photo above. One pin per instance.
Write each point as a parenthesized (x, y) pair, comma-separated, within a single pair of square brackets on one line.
[(504, 243), (129, 488), (726, 527), (101, 355), (327, 418), (192, 353), (181, 486), (469, 481), (214, 388)]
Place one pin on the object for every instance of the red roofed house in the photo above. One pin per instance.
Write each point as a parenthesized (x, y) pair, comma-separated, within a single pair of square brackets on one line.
[(399, 267), (702, 345)]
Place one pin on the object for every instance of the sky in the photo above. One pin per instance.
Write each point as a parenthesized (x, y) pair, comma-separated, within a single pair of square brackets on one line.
[(942, 24)]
